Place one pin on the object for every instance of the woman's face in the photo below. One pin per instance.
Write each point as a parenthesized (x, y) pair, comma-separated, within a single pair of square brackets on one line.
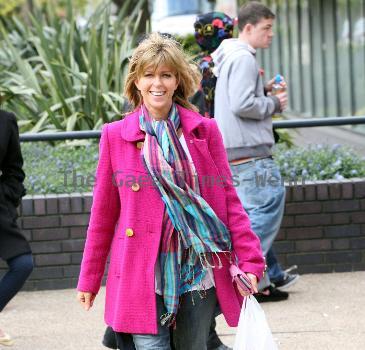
[(157, 88)]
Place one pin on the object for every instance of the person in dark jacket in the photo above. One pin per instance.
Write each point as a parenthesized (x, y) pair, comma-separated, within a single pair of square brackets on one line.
[(14, 248)]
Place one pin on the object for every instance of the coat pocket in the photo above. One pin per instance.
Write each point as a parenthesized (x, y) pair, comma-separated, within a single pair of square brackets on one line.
[(130, 240)]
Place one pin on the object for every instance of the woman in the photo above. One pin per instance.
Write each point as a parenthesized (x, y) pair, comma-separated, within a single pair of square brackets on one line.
[(166, 208), (14, 248)]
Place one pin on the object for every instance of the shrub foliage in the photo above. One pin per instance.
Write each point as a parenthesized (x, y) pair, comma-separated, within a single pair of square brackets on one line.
[(59, 75)]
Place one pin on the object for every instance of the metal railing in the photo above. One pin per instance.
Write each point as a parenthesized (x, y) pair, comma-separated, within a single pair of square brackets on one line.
[(281, 124)]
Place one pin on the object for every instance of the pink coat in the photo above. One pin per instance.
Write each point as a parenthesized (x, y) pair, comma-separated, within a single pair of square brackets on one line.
[(126, 218)]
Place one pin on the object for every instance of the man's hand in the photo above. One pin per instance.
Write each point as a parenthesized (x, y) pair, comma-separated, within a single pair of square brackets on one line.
[(253, 280), (283, 98), (86, 299), (270, 83)]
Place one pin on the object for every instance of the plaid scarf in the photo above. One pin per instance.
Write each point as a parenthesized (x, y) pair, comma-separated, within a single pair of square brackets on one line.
[(191, 231)]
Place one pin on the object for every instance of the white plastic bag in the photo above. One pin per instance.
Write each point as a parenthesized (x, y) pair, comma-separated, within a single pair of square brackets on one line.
[(253, 332)]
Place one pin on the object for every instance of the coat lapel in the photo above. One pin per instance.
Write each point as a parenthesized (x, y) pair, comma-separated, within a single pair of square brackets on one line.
[(197, 144), (191, 122), (130, 130)]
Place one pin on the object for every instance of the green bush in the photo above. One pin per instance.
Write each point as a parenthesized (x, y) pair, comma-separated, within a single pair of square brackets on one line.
[(66, 168), (63, 168), (189, 44), (9, 6), (319, 162), (57, 75)]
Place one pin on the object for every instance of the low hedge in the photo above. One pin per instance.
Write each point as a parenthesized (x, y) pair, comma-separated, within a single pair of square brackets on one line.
[(70, 167)]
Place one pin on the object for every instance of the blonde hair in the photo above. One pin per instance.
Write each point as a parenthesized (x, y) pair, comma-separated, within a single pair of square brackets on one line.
[(158, 50)]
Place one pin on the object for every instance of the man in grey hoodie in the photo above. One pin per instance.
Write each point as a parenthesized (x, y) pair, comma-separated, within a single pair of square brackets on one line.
[(243, 110)]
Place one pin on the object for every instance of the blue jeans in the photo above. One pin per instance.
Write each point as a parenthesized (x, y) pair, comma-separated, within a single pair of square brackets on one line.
[(262, 193), (20, 268), (193, 322), (274, 269)]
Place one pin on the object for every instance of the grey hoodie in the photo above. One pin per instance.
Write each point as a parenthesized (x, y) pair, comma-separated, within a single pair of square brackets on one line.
[(242, 110)]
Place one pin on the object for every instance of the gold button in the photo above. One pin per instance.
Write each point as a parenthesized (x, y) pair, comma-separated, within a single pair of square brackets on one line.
[(135, 187), (140, 144), (129, 232)]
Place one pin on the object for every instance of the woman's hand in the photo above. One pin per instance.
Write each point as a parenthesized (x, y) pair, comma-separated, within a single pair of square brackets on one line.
[(86, 299), (253, 280)]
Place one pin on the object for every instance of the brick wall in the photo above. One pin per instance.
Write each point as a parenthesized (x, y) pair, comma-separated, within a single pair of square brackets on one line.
[(323, 230), (56, 227)]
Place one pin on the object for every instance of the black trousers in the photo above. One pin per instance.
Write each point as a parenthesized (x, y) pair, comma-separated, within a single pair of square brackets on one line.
[(20, 268)]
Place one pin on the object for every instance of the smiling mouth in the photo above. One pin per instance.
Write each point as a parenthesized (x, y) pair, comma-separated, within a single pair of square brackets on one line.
[(157, 93)]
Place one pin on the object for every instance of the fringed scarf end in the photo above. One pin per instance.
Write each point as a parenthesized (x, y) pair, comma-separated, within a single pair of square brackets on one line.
[(168, 319)]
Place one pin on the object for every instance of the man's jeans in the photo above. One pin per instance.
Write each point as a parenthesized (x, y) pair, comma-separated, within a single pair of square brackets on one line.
[(193, 322), (274, 269), (262, 193)]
